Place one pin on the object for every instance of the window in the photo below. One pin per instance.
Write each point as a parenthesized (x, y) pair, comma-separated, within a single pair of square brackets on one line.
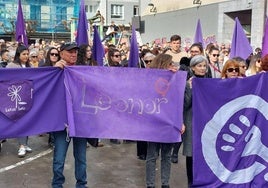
[(117, 11), (135, 10)]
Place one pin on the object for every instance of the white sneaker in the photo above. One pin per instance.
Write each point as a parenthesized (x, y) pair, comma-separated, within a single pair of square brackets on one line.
[(22, 151), (28, 149)]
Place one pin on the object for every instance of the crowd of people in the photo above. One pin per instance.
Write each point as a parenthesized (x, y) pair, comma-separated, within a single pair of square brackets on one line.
[(211, 62)]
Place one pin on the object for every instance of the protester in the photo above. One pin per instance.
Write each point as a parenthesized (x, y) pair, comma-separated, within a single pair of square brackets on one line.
[(34, 58), (85, 56), (175, 49), (68, 55), (264, 63), (215, 67), (199, 67), (242, 65), (4, 58), (161, 61), (21, 60), (254, 65), (53, 56), (231, 69)]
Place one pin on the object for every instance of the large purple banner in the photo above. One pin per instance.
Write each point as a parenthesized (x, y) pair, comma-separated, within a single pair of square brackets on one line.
[(32, 101), (124, 103), (229, 132)]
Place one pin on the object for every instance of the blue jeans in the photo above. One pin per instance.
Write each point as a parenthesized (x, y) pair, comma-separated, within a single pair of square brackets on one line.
[(79, 153), (152, 154)]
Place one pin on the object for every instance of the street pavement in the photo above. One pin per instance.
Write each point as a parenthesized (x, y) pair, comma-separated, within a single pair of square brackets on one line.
[(111, 166)]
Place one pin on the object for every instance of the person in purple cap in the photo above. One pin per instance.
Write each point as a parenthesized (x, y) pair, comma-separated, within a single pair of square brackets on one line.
[(68, 55)]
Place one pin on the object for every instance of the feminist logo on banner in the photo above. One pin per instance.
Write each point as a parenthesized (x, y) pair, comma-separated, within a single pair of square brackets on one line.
[(16, 98), (230, 149)]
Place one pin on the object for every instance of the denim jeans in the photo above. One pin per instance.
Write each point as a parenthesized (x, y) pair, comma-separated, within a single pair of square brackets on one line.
[(79, 153), (152, 154)]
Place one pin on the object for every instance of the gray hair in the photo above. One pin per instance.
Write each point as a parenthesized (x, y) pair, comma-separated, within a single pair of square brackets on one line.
[(198, 59)]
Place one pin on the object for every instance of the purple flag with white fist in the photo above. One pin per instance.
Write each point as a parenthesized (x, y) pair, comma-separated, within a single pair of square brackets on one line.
[(229, 132), (133, 104), (32, 101)]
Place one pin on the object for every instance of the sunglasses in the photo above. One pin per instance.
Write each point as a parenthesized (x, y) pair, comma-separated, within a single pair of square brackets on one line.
[(214, 55), (233, 69), (54, 54), (148, 61), (34, 56), (117, 56)]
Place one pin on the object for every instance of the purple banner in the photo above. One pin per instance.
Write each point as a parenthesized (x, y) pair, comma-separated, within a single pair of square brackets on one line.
[(124, 103), (229, 132), (32, 101)]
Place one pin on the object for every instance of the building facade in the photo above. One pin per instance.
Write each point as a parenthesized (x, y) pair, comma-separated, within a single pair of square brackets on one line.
[(217, 20), (57, 19)]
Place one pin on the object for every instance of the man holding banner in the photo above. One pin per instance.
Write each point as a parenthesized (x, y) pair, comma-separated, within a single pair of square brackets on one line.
[(68, 54)]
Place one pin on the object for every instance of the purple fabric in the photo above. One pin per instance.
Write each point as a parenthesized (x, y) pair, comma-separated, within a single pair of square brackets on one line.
[(20, 27), (97, 48), (265, 40), (134, 50), (240, 44), (198, 38), (82, 27), (124, 103), (229, 132), (32, 101)]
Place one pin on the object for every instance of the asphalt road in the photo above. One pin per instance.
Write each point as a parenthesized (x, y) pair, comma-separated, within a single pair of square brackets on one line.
[(111, 166)]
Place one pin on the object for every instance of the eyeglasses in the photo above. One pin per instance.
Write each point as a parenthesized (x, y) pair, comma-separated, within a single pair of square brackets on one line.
[(148, 61), (233, 69), (116, 56), (34, 56), (214, 55), (54, 54)]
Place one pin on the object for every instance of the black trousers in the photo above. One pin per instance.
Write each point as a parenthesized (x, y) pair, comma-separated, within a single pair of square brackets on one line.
[(189, 170)]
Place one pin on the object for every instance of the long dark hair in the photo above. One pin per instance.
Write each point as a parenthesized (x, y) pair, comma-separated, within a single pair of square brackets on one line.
[(19, 50), (48, 62), (81, 56)]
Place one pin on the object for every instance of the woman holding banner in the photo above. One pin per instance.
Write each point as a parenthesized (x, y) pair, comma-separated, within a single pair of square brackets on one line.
[(198, 68), (21, 60), (161, 61)]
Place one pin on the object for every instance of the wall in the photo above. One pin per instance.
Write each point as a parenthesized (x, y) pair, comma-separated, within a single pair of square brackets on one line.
[(182, 22)]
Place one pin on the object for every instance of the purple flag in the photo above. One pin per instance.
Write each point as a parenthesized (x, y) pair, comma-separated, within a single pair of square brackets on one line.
[(32, 101), (198, 38), (20, 27), (104, 107), (265, 40), (97, 48), (134, 51), (229, 132), (240, 44), (82, 27)]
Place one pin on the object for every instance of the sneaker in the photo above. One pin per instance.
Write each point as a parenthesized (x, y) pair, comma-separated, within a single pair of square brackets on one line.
[(22, 151), (174, 158), (28, 149)]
